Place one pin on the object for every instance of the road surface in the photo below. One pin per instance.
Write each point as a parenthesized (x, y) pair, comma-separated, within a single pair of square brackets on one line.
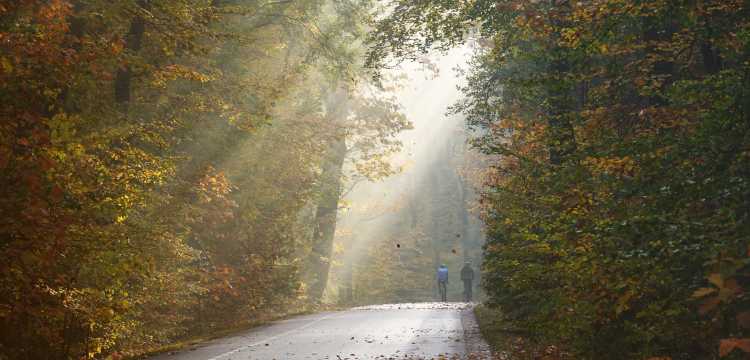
[(399, 331)]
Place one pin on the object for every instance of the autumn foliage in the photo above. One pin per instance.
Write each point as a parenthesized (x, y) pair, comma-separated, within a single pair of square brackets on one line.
[(618, 202), (158, 160)]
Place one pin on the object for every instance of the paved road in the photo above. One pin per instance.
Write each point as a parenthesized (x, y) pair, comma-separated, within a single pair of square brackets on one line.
[(412, 331)]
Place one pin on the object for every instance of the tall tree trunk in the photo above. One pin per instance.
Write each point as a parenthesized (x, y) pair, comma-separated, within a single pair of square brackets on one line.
[(346, 291), (325, 219), (463, 216), (658, 31), (327, 210), (133, 43), (433, 222)]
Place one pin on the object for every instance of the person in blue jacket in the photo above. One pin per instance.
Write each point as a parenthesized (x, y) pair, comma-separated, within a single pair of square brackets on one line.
[(442, 279)]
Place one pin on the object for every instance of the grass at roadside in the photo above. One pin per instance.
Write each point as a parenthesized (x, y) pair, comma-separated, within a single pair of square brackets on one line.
[(491, 326), (508, 343)]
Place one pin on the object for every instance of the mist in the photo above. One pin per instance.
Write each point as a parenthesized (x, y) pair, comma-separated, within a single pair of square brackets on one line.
[(393, 233)]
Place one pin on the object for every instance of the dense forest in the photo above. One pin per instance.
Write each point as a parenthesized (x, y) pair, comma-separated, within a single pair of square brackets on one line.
[(617, 203), (171, 169)]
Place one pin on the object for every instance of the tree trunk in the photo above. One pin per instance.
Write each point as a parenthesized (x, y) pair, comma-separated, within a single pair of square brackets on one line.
[(133, 43), (463, 216), (327, 210), (325, 219), (346, 291), (658, 31), (435, 200)]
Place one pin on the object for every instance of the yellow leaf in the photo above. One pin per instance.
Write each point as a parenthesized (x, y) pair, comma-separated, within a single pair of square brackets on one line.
[(703, 292), (6, 65), (622, 302), (716, 280)]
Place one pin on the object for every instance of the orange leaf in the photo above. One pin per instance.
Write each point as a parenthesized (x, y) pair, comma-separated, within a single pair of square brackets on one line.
[(727, 345)]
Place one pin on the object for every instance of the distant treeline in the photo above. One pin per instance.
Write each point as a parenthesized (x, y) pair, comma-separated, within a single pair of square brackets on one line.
[(169, 168), (618, 206)]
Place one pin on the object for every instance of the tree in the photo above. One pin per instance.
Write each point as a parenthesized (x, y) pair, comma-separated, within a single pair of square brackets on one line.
[(605, 208), (157, 160)]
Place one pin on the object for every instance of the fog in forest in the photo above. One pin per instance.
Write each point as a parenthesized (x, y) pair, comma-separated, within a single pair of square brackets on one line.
[(392, 234)]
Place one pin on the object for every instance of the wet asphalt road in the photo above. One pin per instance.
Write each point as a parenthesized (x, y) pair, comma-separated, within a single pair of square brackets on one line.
[(412, 331)]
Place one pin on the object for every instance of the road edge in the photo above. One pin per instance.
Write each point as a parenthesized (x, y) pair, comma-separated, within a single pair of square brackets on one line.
[(199, 340), (476, 346)]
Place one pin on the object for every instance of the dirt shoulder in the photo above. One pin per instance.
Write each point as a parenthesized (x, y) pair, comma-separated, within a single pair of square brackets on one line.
[(476, 346)]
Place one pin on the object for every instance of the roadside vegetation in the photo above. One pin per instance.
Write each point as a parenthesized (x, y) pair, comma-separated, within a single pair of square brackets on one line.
[(509, 343), (616, 204)]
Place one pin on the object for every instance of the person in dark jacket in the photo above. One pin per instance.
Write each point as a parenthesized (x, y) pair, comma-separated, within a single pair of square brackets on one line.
[(467, 276)]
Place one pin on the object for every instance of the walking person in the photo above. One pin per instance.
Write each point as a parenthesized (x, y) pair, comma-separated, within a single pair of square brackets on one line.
[(442, 279), (467, 276)]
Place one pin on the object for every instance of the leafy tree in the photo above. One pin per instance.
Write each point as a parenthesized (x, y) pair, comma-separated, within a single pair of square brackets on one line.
[(157, 159), (614, 209)]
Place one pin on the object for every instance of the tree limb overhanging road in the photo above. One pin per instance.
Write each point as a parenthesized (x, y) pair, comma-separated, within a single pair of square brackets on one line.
[(412, 331)]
